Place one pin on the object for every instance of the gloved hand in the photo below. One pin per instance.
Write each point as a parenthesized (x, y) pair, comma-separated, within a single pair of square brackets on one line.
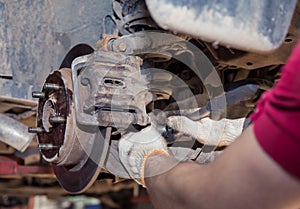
[(135, 148), (208, 131)]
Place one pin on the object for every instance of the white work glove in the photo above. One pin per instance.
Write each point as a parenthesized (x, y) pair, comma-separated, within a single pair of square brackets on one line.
[(208, 131), (135, 148)]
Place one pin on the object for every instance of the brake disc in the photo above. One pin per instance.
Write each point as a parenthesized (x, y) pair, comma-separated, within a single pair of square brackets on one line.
[(74, 151)]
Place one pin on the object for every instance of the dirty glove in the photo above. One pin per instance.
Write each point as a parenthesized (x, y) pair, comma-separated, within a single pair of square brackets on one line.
[(208, 131), (135, 148)]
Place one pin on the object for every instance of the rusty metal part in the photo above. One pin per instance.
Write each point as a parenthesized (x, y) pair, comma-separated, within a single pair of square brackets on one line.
[(48, 111), (156, 45), (38, 95), (52, 87), (113, 80), (57, 102), (159, 42), (48, 146), (36, 130), (59, 137), (74, 151), (80, 177), (56, 107), (57, 119), (14, 133), (105, 42), (116, 119), (110, 90)]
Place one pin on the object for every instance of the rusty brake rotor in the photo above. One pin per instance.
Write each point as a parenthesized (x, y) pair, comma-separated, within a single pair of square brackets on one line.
[(74, 151)]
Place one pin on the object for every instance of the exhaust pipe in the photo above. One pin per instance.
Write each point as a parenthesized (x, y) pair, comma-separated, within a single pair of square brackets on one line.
[(14, 133)]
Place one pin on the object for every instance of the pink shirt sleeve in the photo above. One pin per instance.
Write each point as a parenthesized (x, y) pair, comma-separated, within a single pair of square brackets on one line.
[(277, 118)]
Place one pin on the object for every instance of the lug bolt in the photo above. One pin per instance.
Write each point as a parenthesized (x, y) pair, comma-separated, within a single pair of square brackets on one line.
[(57, 119), (47, 146), (52, 86), (36, 130), (39, 95)]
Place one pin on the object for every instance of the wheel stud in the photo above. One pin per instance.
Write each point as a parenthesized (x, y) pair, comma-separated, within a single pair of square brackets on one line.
[(37, 130), (48, 146), (52, 86), (39, 95), (57, 119)]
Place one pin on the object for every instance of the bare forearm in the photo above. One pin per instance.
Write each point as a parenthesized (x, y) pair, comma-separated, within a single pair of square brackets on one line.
[(175, 189), (242, 177)]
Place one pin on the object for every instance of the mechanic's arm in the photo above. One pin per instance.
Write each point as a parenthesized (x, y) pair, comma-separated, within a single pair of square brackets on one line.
[(260, 170), (242, 177)]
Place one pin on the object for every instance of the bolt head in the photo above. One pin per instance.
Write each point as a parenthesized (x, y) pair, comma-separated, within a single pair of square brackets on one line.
[(122, 46)]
